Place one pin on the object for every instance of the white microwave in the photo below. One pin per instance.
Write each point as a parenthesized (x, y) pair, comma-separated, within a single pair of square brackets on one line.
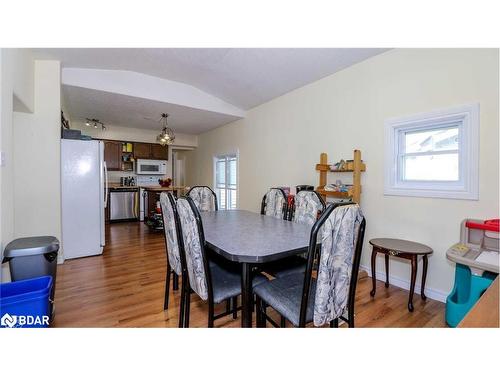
[(146, 166)]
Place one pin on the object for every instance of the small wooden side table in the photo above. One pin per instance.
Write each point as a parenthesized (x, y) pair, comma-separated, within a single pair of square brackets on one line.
[(401, 249)]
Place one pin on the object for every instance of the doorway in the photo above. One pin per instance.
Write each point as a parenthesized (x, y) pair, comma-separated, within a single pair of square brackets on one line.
[(179, 157)]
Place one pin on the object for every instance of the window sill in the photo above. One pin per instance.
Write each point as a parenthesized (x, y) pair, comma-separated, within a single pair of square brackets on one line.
[(429, 193)]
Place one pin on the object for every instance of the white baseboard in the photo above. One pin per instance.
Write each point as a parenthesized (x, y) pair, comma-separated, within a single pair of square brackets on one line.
[(434, 294)]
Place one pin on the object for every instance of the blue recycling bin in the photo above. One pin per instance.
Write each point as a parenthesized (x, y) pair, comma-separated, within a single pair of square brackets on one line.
[(26, 303)]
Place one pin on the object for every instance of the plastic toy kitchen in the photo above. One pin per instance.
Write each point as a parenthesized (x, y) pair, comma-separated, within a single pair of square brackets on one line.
[(476, 258)]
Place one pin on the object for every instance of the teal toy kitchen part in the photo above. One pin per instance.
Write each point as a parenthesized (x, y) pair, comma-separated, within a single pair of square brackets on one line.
[(477, 265)]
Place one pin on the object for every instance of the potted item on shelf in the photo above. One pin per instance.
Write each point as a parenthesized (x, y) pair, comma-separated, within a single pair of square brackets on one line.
[(339, 166), (338, 186)]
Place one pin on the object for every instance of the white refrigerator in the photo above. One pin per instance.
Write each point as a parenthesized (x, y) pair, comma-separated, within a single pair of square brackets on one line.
[(84, 198)]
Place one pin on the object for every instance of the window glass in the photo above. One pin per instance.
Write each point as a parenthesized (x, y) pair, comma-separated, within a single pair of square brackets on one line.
[(432, 140), (442, 167), (226, 181)]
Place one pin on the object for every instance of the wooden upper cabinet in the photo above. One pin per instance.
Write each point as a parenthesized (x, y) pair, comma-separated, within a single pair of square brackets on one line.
[(142, 150), (113, 155), (159, 152), (150, 151)]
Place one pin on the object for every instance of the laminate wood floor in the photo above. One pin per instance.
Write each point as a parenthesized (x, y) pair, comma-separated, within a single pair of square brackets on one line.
[(125, 287)]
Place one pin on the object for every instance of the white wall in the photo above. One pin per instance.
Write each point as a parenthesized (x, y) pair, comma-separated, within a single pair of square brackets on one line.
[(280, 142), (37, 160), (16, 93), (123, 133)]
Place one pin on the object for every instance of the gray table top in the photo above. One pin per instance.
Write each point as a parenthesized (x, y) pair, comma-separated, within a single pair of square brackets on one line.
[(245, 236)]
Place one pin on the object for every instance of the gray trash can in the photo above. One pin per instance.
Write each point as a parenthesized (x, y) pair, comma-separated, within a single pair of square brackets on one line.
[(30, 257)]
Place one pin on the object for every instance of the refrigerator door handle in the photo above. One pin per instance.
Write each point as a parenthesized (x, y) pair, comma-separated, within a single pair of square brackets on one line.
[(136, 204), (106, 185)]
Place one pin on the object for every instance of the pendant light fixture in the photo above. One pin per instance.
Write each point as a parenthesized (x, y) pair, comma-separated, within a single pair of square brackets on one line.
[(167, 136)]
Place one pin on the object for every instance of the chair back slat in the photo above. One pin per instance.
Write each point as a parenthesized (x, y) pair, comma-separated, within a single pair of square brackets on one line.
[(204, 198), (338, 265), (169, 228), (339, 236), (274, 203), (193, 247), (308, 205)]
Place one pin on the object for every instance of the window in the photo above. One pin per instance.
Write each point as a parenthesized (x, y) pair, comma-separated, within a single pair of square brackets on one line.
[(225, 167), (434, 154)]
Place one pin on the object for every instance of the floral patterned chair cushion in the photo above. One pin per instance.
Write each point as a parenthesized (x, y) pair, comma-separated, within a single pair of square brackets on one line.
[(338, 242), (193, 249), (203, 197), (174, 259), (274, 203), (307, 207)]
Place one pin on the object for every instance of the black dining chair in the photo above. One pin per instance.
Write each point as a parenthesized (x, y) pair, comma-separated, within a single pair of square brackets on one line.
[(204, 198), (307, 208), (209, 280), (300, 298), (173, 244)]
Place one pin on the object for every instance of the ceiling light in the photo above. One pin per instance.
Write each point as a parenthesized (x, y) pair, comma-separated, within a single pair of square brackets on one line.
[(167, 136), (95, 123)]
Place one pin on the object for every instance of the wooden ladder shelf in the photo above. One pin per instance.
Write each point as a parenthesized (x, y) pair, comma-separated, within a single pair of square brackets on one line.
[(355, 166)]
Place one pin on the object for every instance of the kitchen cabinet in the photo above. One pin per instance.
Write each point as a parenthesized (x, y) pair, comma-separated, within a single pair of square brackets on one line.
[(113, 155), (159, 152), (150, 151), (142, 150)]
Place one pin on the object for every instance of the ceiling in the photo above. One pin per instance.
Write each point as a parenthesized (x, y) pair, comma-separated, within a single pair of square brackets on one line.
[(241, 77), (123, 110)]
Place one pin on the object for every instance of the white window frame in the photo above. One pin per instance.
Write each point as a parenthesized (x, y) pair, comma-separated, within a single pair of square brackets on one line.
[(219, 156), (467, 187)]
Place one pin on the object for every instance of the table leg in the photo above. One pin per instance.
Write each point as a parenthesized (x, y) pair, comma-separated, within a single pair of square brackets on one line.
[(246, 296), (387, 270), (374, 280), (413, 278), (424, 276)]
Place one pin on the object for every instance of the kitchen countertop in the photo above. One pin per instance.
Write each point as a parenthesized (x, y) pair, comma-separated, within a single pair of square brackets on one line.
[(117, 186), (160, 188)]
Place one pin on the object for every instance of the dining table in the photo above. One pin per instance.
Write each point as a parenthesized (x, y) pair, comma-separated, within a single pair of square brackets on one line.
[(252, 240)]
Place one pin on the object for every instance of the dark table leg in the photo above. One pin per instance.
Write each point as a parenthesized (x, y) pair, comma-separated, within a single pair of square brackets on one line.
[(424, 275), (374, 281), (246, 296), (387, 270), (413, 278)]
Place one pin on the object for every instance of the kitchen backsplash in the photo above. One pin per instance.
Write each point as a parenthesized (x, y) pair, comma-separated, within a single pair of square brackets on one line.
[(114, 176)]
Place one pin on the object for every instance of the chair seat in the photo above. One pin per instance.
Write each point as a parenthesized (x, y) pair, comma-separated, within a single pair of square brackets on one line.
[(285, 294), (286, 267), (227, 284)]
